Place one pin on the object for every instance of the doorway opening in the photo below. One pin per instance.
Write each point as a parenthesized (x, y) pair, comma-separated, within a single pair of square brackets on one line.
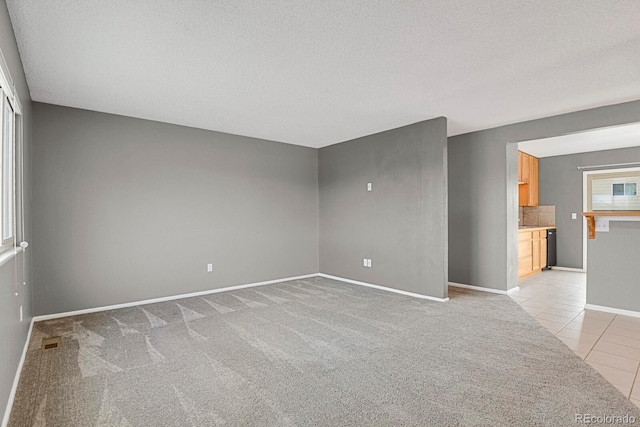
[(576, 173)]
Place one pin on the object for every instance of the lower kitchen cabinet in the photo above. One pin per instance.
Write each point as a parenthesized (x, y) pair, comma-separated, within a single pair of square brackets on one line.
[(532, 251)]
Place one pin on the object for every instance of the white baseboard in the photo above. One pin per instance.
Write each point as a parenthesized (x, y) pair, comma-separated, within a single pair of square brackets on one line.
[(612, 310), (169, 298), (16, 378), (230, 288), (577, 270), (383, 288), (481, 289)]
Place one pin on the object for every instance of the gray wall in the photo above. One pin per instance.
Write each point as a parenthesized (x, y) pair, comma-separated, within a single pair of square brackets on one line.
[(561, 185), (13, 333), (128, 209), (613, 274), (483, 209), (402, 224)]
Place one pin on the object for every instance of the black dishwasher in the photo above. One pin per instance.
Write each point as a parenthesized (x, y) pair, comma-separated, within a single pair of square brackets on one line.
[(552, 235)]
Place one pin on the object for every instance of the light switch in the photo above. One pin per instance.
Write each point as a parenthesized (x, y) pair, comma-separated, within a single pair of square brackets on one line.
[(369, 186), (574, 215)]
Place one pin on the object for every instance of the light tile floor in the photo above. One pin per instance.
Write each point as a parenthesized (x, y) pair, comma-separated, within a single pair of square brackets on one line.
[(608, 342)]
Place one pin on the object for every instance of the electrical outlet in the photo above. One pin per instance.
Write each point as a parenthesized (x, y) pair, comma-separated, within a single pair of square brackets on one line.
[(602, 224), (369, 186), (209, 268), (368, 263), (574, 215), (20, 314)]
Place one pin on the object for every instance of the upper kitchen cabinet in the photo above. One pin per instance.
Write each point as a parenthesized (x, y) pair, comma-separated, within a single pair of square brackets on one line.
[(523, 167), (527, 180), (534, 196)]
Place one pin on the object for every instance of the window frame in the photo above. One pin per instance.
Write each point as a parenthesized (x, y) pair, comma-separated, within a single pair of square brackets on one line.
[(15, 139), (9, 241), (9, 98)]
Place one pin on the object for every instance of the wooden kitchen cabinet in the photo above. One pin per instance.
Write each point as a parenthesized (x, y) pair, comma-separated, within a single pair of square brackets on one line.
[(528, 193), (535, 253), (525, 261), (534, 194), (523, 167), (532, 251)]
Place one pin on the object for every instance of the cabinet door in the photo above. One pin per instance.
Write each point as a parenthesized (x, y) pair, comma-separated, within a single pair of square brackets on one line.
[(520, 161), (535, 252), (526, 166), (524, 266), (523, 194), (524, 253), (524, 249), (543, 253), (534, 196)]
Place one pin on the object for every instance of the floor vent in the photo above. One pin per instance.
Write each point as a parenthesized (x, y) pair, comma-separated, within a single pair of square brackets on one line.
[(49, 343)]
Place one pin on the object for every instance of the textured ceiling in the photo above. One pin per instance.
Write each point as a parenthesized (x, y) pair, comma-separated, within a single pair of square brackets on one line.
[(319, 72), (582, 142)]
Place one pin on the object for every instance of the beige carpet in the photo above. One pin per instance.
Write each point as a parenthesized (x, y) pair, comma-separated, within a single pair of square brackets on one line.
[(310, 352)]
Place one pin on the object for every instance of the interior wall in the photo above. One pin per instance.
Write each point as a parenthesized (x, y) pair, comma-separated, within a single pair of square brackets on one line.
[(483, 192), (128, 209), (613, 268), (561, 184), (13, 333), (401, 225)]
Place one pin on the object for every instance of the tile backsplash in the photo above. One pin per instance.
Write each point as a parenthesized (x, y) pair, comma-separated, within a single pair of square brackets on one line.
[(543, 216), (520, 215)]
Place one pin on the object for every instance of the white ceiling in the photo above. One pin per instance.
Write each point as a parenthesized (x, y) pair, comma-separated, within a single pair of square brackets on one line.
[(315, 73), (582, 142)]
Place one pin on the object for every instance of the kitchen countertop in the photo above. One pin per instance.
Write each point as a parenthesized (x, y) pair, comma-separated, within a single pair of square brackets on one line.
[(535, 227)]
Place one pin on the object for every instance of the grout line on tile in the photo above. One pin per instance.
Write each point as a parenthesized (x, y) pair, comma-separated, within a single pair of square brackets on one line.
[(633, 384), (598, 340)]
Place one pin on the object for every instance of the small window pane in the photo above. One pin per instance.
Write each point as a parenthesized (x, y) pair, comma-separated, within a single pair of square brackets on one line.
[(630, 189), (618, 189)]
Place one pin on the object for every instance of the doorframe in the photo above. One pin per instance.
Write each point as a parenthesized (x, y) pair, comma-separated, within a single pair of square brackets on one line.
[(585, 174)]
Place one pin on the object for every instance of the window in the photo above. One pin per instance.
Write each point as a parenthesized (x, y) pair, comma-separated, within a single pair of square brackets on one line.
[(613, 191), (7, 173), (10, 144), (624, 189), (618, 189)]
